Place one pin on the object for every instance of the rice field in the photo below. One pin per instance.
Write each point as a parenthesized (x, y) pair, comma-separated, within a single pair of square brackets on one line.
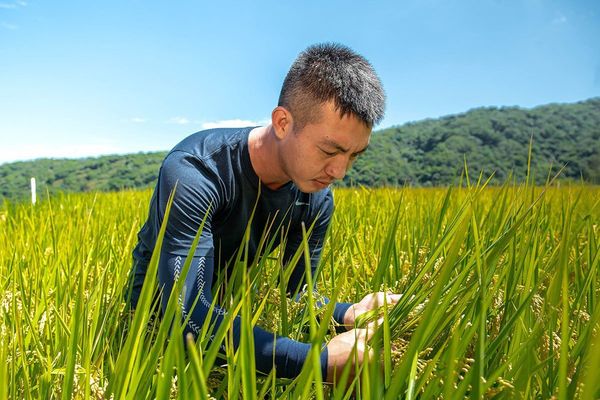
[(500, 300)]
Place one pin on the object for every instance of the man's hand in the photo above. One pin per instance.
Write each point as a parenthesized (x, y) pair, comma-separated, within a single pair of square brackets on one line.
[(369, 302), (348, 348)]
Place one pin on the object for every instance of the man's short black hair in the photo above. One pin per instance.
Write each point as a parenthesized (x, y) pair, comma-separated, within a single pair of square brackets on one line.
[(332, 72)]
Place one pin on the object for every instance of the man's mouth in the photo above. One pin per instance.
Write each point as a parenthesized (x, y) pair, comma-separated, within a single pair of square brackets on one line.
[(324, 182)]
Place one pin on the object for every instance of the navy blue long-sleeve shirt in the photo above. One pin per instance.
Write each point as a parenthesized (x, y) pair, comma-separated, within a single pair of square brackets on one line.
[(215, 179)]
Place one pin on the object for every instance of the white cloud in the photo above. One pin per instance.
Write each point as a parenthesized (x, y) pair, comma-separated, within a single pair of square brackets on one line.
[(179, 120), (560, 19), (226, 123), (76, 150), (233, 123), (13, 5), (8, 26), (138, 120)]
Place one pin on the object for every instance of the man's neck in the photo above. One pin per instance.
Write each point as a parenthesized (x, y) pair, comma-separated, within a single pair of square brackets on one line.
[(264, 157)]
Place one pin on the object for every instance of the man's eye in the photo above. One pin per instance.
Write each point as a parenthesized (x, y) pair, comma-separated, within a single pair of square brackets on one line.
[(328, 153)]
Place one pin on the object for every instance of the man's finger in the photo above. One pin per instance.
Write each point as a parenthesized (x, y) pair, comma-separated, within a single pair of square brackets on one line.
[(361, 335), (392, 298), (371, 328), (362, 343)]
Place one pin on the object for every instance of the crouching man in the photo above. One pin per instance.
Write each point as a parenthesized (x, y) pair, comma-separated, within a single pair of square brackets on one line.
[(329, 102)]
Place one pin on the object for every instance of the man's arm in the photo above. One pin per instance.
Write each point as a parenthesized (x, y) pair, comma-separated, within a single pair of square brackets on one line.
[(321, 221), (196, 197), (347, 348)]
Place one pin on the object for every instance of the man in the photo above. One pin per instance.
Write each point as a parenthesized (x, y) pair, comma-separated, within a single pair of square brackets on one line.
[(329, 102)]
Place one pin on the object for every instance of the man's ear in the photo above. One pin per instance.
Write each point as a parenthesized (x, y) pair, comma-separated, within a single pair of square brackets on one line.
[(282, 121)]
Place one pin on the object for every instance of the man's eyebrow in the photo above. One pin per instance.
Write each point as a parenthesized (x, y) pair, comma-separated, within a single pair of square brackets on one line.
[(361, 151), (340, 148)]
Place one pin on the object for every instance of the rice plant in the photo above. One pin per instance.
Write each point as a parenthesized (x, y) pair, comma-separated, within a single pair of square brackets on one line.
[(500, 289)]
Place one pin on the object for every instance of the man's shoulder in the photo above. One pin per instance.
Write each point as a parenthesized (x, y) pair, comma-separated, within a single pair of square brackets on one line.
[(204, 144), (320, 203), (209, 161), (322, 196)]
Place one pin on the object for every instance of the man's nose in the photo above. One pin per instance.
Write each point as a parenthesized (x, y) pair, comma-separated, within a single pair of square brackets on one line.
[(337, 167)]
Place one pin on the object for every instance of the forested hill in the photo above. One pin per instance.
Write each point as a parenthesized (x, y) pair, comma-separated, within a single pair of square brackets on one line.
[(433, 151), (429, 152)]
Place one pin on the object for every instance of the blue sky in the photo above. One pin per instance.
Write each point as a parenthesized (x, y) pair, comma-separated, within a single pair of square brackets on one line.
[(89, 78)]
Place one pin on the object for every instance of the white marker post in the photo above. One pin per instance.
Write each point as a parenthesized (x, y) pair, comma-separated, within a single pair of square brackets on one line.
[(33, 194)]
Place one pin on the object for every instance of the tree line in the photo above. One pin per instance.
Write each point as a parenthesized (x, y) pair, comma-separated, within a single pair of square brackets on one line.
[(432, 152)]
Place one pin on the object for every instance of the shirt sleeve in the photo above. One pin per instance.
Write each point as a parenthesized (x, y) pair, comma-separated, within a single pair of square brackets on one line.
[(198, 196), (321, 219)]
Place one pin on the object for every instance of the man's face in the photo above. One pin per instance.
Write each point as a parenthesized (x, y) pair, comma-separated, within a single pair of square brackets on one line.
[(321, 152)]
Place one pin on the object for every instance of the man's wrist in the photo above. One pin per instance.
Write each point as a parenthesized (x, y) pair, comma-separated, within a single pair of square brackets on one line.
[(339, 316)]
